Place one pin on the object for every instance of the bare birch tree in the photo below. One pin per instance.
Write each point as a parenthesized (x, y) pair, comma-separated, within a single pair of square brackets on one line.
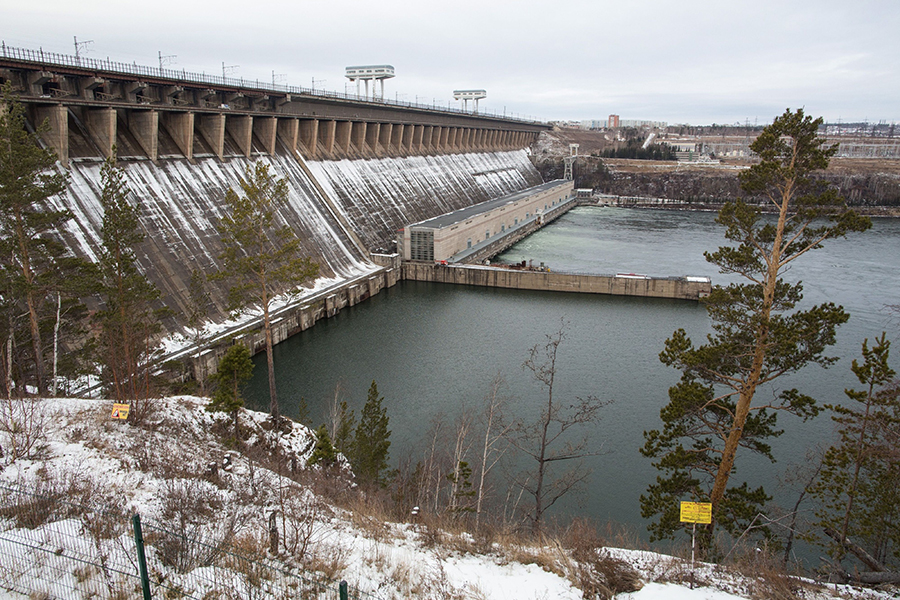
[(494, 446), (546, 440)]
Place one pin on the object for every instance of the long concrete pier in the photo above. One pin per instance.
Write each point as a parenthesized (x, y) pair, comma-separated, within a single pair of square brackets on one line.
[(679, 288)]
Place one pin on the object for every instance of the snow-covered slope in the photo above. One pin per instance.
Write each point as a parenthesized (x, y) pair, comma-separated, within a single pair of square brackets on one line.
[(179, 471)]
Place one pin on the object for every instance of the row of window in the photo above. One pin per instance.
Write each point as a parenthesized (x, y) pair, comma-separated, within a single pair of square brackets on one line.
[(487, 234), (421, 245)]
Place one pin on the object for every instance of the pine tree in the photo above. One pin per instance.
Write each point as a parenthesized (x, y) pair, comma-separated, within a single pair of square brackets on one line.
[(234, 370), (261, 258), (372, 441), (303, 416), (461, 486), (758, 334), (35, 263), (859, 484), (324, 451), (343, 432), (129, 323)]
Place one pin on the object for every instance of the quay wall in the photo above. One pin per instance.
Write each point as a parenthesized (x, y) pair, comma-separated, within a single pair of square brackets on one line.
[(678, 288)]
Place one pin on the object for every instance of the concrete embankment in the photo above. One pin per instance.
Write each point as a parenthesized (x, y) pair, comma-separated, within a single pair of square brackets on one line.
[(680, 288), (301, 315)]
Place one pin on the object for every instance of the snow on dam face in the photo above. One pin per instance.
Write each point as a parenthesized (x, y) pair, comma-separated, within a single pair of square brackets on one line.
[(181, 203), (380, 196)]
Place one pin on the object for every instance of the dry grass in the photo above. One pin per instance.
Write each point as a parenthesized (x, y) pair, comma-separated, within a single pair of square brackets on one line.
[(593, 570), (766, 576)]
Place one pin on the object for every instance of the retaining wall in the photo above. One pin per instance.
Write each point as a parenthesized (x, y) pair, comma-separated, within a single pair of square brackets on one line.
[(653, 287)]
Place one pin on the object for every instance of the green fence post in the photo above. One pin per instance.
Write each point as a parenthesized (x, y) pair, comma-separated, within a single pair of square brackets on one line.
[(342, 590), (142, 559)]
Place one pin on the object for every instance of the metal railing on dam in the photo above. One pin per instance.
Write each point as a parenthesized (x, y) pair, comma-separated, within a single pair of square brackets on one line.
[(53, 59), (678, 288)]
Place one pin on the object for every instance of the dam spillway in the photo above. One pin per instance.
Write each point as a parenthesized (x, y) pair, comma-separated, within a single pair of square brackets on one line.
[(368, 200)]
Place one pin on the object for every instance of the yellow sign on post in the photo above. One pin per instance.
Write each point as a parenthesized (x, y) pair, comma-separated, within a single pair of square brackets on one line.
[(120, 411), (696, 512)]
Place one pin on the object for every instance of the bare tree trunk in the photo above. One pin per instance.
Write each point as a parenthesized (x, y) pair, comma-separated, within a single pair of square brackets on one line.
[(492, 412), (32, 302), (56, 342), (869, 560), (461, 448), (790, 541), (748, 388), (334, 410), (858, 460), (437, 429), (9, 349), (36, 344), (270, 362)]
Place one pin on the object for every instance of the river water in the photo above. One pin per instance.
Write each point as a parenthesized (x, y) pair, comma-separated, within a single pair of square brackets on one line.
[(434, 348)]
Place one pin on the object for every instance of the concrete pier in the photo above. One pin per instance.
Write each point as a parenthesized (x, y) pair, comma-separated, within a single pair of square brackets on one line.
[(678, 288)]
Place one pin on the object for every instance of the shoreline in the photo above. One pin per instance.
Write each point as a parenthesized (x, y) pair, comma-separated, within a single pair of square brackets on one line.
[(667, 204)]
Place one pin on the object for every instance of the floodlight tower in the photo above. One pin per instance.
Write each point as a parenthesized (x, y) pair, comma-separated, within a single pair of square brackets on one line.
[(368, 73), (569, 161), (466, 95)]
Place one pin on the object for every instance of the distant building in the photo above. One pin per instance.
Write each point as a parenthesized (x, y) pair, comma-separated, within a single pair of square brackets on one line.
[(614, 122), (593, 124), (638, 124)]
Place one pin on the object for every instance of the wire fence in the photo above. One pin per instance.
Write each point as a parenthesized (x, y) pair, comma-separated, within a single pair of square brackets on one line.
[(50, 59), (52, 548)]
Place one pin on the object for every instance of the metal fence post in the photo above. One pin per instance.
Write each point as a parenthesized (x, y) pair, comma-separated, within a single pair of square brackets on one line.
[(142, 559), (343, 591)]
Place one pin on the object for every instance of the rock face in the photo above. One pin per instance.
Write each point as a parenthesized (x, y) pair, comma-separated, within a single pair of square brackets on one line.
[(870, 190), (368, 200)]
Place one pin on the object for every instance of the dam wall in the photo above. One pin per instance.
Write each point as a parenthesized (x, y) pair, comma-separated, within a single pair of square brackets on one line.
[(180, 206), (297, 316), (340, 210), (382, 196)]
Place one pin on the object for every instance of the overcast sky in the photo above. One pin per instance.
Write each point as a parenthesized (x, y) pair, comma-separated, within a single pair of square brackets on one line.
[(681, 61)]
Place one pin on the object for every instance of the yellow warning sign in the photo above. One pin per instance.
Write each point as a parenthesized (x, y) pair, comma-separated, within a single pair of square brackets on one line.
[(696, 512), (120, 411)]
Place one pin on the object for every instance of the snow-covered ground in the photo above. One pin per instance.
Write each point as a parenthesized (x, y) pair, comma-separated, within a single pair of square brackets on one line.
[(92, 459)]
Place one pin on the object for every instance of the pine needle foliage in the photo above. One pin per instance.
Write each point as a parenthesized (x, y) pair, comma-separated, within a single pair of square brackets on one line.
[(262, 256), (369, 455), (324, 451), (759, 334), (234, 370), (32, 257), (859, 485), (129, 323)]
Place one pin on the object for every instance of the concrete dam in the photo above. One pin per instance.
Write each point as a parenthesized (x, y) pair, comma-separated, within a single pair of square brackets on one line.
[(358, 169), (360, 172)]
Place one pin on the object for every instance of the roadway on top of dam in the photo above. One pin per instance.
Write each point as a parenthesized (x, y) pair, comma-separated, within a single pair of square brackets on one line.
[(45, 77), (164, 113)]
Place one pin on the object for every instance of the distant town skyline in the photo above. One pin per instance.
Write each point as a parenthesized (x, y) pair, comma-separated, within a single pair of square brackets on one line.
[(697, 62)]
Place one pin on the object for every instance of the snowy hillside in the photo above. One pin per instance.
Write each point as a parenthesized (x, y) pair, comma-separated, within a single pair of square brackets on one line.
[(178, 471)]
